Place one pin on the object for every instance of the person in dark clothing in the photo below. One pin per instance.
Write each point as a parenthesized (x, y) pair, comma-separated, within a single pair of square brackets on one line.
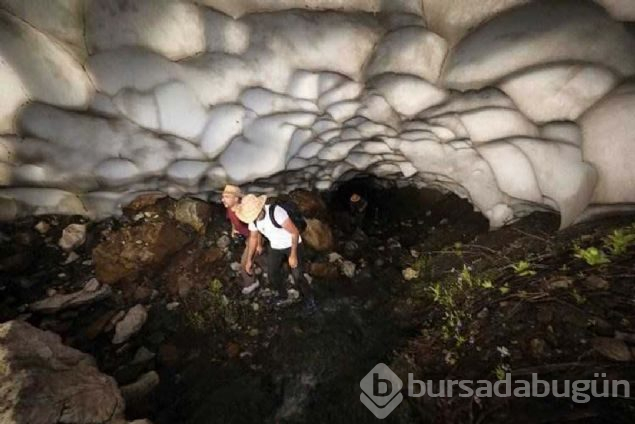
[(285, 244)]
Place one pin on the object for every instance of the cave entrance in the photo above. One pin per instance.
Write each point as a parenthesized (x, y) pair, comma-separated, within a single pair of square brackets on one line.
[(393, 206)]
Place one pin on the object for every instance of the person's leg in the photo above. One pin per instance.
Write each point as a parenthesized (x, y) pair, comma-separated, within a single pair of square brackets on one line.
[(246, 279), (298, 276), (274, 268)]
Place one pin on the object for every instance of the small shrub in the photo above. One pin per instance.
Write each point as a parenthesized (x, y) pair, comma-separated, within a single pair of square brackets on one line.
[(523, 269), (591, 255), (620, 240)]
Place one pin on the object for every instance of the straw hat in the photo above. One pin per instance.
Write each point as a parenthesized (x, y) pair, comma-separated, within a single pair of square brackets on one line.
[(232, 189), (249, 208)]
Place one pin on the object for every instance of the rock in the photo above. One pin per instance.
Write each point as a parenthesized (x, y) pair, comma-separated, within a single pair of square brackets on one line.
[(612, 348), (115, 319), (98, 326), (223, 242), (627, 337), (309, 203), (194, 213), (130, 324), (318, 235), (409, 274), (72, 257), (91, 293), (143, 203), (141, 388), (73, 236), (559, 283), (92, 285), (172, 306), (335, 257), (119, 258), (594, 282), (143, 355), (348, 268), (69, 387), (42, 227)]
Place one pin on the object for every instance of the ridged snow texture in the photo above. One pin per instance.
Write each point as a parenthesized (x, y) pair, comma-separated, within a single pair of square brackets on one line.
[(517, 106)]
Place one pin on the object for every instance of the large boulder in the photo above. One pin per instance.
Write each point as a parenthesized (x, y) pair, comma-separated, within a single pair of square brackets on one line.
[(194, 213), (318, 235), (43, 381), (127, 252)]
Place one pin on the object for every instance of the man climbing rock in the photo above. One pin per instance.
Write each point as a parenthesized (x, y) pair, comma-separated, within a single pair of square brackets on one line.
[(240, 233), (274, 222)]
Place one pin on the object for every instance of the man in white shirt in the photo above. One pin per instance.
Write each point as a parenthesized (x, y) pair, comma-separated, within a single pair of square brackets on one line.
[(284, 241)]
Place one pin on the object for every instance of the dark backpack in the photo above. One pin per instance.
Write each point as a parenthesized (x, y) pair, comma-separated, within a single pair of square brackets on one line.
[(292, 210)]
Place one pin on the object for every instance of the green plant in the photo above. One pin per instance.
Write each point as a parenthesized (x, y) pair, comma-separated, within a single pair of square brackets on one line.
[(523, 269), (591, 255), (619, 241), (456, 298)]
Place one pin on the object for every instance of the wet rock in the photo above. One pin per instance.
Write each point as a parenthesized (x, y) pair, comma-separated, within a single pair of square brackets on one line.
[(91, 293), (42, 227), (121, 258), (130, 324), (73, 236), (410, 274), (61, 384), (141, 388), (194, 213), (593, 282), (612, 348), (318, 235)]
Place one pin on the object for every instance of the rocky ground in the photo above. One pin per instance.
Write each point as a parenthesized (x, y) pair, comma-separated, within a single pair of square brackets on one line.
[(422, 286)]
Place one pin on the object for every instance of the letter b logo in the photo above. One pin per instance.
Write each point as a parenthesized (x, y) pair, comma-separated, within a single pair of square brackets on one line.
[(381, 391)]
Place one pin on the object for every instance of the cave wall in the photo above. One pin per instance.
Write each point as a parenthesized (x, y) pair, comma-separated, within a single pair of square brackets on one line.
[(515, 104)]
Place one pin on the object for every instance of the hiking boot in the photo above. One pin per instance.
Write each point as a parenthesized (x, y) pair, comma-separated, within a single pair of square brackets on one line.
[(249, 289)]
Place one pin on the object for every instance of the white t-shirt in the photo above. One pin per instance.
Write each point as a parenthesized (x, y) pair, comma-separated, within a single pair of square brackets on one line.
[(279, 238)]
